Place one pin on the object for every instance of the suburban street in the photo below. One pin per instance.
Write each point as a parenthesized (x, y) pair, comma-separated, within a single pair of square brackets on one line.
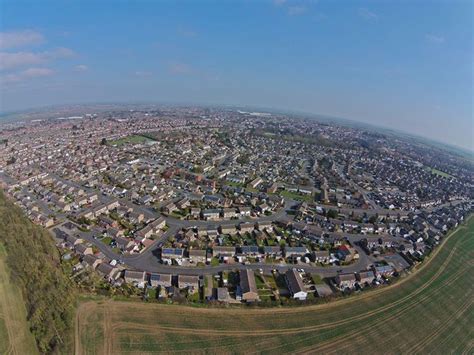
[(148, 260)]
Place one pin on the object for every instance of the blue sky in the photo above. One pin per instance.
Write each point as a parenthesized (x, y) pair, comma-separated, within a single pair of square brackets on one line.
[(400, 64)]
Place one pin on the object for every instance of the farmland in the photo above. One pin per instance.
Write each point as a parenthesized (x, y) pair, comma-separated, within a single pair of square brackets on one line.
[(430, 310), (15, 337)]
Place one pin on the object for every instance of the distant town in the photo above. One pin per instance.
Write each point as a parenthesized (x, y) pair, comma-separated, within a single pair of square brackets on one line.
[(195, 204)]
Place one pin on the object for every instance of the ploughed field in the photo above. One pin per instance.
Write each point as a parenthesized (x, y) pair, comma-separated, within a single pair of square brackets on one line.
[(430, 310)]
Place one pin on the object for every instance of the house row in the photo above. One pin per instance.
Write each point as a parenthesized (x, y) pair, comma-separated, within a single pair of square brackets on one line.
[(141, 279), (349, 280)]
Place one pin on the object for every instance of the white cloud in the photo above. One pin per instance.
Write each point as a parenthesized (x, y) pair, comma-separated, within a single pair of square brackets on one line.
[(19, 59), (27, 74), (434, 38), (14, 60), (279, 2), (36, 72), (367, 14), (81, 68), (296, 10), (20, 39)]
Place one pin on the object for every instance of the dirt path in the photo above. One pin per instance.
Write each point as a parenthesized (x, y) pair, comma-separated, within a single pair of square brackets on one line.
[(108, 330)]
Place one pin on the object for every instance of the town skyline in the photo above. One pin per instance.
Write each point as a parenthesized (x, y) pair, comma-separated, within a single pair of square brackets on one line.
[(344, 121)]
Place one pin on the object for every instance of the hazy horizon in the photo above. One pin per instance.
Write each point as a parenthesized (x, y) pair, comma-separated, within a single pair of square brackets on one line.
[(401, 66), (344, 121)]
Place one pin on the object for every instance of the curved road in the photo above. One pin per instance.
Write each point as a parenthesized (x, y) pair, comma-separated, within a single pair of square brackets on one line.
[(149, 262)]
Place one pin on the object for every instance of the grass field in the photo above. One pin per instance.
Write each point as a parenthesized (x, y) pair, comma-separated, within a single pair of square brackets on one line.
[(15, 336), (438, 172), (296, 196), (429, 311), (133, 139)]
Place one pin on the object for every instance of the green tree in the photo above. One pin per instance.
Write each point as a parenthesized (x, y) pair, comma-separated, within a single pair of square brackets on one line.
[(331, 214)]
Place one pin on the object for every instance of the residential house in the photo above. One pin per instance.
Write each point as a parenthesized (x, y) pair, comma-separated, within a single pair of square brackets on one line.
[(365, 277), (382, 270), (172, 253), (72, 241), (188, 281), (295, 251), (223, 295), (124, 244), (197, 256), (245, 211), (224, 253), (183, 203), (146, 232), (246, 227), (228, 212), (248, 286), (323, 290), (136, 217), (272, 251), (264, 225), (396, 261), (321, 256), (83, 249), (295, 285), (135, 277), (263, 208), (108, 271), (211, 214), (345, 253), (346, 280), (91, 261), (169, 208), (195, 212), (250, 250), (162, 280), (228, 228), (254, 183), (114, 233)]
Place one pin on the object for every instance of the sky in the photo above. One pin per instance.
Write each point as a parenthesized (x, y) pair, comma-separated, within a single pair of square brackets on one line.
[(406, 65)]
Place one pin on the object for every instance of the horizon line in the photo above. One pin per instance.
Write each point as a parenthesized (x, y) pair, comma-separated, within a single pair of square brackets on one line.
[(468, 150)]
